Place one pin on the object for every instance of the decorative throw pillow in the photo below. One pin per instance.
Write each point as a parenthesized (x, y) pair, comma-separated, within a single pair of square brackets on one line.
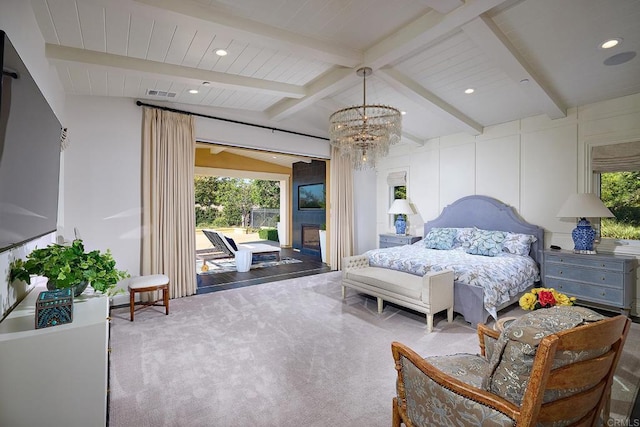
[(463, 238), (440, 238), (486, 242), (518, 244), (515, 350), (231, 243)]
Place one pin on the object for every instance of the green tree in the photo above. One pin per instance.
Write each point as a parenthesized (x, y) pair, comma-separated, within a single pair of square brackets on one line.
[(235, 196), (620, 192), (400, 192), (225, 201), (205, 189), (206, 209), (620, 189), (266, 194)]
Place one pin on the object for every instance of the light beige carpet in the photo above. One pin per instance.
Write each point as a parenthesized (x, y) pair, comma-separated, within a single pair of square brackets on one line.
[(289, 353)]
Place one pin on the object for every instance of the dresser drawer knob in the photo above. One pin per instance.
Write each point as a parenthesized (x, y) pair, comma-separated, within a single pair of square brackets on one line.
[(603, 294)]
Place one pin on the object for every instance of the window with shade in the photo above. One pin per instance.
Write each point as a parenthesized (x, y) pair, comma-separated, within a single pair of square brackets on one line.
[(616, 171)]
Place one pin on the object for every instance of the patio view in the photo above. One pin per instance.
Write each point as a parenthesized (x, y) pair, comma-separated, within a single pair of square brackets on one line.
[(246, 210)]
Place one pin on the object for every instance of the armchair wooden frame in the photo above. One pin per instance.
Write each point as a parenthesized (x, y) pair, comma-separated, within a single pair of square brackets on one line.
[(586, 406)]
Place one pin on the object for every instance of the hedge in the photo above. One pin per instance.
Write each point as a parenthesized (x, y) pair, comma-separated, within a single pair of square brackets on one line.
[(268, 234)]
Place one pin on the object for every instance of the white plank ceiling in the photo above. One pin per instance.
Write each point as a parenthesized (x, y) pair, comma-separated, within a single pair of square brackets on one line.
[(291, 63)]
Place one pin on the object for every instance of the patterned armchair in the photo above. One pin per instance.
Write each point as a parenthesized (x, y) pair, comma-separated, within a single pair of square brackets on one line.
[(551, 367)]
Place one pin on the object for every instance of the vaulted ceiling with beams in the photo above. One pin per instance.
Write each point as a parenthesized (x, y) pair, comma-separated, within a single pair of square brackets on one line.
[(291, 63)]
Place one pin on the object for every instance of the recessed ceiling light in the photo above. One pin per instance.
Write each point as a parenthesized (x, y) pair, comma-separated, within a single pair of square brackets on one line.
[(193, 90), (221, 52), (469, 91), (524, 81), (608, 44), (205, 83), (403, 112)]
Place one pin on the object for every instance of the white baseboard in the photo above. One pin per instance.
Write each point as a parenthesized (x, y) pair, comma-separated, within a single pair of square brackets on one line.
[(121, 299)]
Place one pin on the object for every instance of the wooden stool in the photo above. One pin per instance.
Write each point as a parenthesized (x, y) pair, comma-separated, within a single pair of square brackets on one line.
[(154, 282)]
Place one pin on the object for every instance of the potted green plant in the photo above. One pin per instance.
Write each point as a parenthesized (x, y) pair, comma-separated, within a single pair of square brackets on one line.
[(70, 266)]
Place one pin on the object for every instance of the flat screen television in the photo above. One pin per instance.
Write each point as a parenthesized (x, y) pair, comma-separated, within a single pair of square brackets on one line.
[(311, 196), (29, 154)]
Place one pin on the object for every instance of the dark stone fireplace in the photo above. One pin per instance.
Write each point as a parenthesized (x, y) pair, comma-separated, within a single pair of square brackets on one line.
[(310, 237), (309, 213)]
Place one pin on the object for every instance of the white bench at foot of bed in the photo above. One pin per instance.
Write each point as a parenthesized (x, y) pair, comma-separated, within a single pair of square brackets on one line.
[(428, 294)]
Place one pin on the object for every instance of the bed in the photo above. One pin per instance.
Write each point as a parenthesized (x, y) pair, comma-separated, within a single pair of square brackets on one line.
[(481, 283)]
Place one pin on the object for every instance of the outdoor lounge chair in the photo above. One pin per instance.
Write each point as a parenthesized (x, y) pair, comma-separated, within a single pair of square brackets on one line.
[(227, 246)]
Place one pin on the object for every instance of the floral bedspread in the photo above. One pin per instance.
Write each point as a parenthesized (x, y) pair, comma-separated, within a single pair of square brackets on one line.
[(502, 277)]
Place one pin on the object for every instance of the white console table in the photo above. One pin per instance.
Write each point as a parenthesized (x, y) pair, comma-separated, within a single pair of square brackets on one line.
[(55, 376)]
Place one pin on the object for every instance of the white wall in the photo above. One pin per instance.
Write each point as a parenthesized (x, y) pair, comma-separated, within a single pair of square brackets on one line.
[(102, 177), (18, 21), (531, 164)]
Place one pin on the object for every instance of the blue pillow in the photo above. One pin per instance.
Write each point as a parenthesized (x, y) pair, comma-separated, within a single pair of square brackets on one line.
[(231, 243), (440, 238), (486, 242)]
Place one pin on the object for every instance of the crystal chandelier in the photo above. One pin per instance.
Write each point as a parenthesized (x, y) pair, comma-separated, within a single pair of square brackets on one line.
[(365, 132)]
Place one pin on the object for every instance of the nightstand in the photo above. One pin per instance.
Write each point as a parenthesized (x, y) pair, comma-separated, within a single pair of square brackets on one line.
[(603, 279), (389, 240)]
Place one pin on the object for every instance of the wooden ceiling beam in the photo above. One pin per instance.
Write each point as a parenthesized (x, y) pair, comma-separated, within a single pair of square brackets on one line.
[(443, 6), (425, 30), (422, 96), (260, 33), (327, 85), (488, 37), (175, 72)]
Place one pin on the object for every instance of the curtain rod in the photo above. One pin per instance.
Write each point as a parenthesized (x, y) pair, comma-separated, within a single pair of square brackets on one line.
[(175, 110)]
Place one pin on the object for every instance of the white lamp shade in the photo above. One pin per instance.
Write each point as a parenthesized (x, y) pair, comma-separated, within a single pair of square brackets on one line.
[(401, 206), (584, 205)]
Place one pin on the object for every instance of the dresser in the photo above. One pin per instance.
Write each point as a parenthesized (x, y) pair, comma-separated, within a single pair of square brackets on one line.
[(389, 240), (603, 279), (55, 376)]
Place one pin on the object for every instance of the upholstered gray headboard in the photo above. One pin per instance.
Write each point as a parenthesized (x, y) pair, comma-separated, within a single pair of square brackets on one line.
[(489, 214)]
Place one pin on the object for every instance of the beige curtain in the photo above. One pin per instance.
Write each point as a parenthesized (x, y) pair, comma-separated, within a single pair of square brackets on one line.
[(341, 209), (168, 241), (616, 157)]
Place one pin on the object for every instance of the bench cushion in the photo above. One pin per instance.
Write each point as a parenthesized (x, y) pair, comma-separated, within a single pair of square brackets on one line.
[(258, 248), (393, 281)]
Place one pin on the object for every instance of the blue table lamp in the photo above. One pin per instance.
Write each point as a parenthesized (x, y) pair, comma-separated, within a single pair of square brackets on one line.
[(402, 208), (583, 206)]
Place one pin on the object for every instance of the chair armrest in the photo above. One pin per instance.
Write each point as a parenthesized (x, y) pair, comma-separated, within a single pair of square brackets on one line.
[(487, 338), (356, 261), (459, 390)]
